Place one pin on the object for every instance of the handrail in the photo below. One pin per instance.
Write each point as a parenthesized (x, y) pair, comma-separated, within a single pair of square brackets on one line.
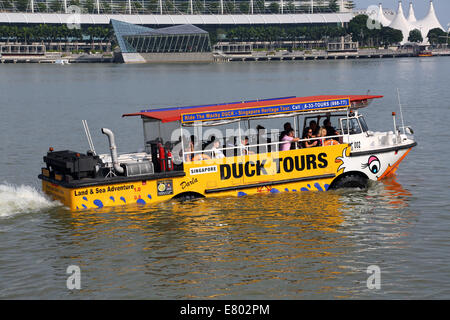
[(248, 147)]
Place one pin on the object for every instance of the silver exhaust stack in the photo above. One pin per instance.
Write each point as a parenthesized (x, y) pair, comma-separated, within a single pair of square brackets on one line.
[(113, 148)]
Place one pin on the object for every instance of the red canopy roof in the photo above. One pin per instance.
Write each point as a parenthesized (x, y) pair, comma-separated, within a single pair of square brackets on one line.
[(174, 114)]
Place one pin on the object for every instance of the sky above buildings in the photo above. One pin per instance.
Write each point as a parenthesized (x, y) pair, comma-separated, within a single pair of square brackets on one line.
[(442, 8)]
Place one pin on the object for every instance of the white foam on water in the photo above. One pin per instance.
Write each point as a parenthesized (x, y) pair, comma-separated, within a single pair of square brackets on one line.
[(22, 199)]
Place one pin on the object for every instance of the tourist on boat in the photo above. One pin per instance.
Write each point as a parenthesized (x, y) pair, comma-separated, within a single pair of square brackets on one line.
[(216, 153), (244, 146), (190, 148), (289, 138), (287, 127), (314, 127), (322, 134), (310, 143), (331, 131)]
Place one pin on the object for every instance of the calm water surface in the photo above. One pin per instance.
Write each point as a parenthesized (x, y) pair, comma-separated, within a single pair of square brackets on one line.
[(276, 246)]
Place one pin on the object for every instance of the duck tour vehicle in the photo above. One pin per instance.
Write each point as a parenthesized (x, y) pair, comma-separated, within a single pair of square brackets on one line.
[(288, 144)]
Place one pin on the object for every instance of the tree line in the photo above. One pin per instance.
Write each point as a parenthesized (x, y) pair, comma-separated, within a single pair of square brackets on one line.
[(53, 33), (357, 27), (279, 33)]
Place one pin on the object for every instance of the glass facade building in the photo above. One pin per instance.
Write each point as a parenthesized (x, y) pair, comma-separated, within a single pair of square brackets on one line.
[(176, 39)]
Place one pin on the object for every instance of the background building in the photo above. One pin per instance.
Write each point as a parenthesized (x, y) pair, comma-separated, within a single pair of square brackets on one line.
[(183, 43), (179, 6), (406, 25)]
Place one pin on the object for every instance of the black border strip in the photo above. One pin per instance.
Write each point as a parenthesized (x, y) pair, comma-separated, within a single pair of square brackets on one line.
[(362, 153), (270, 183)]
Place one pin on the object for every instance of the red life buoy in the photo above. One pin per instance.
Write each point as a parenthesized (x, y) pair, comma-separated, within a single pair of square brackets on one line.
[(330, 142)]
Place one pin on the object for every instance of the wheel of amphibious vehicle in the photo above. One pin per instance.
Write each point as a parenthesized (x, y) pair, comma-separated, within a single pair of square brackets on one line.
[(188, 196), (350, 181)]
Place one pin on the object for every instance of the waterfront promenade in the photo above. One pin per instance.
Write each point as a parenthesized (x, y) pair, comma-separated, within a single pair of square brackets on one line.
[(270, 55), (323, 55)]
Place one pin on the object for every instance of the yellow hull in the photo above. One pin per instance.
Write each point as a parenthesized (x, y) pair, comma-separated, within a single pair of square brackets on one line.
[(311, 169)]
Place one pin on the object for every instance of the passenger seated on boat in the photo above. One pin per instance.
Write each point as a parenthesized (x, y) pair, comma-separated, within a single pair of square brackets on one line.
[(190, 148), (322, 134), (216, 153), (289, 138), (287, 127), (244, 146), (208, 144), (331, 131), (324, 141), (310, 143), (314, 127)]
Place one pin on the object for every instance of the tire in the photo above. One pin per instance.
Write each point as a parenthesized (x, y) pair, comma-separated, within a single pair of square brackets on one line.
[(188, 196), (350, 181)]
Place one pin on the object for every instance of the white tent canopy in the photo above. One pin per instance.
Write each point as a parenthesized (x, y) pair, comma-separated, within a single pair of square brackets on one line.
[(411, 16), (382, 18), (407, 25)]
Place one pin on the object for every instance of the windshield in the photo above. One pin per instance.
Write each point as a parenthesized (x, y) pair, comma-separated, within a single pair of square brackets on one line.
[(363, 124)]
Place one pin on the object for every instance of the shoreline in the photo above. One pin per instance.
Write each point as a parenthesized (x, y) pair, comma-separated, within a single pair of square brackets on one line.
[(56, 57), (324, 55)]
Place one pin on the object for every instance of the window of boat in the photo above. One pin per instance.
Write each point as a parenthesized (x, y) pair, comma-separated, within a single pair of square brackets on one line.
[(213, 139), (151, 130), (363, 123), (265, 133), (155, 130), (353, 126)]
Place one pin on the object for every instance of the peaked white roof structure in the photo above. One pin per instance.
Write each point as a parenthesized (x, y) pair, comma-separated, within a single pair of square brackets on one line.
[(429, 22), (400, 23), (382, 18), (406, 25), (411, 16)]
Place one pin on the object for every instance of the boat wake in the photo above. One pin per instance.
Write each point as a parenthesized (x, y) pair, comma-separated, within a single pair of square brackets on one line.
[(22, 199)]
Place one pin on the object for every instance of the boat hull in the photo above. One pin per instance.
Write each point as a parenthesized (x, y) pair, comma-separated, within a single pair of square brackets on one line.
[(311, 169)]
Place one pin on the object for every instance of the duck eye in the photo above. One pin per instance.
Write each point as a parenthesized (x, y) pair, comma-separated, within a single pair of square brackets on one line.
[(374, 164)]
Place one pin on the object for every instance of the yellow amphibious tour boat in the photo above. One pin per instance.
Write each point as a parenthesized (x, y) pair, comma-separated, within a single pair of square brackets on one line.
[(288, 144)]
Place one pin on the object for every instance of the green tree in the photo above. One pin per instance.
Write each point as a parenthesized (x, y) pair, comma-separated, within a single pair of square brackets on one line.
[(152, 6), (214, 7), (22, 5), (357, 27), (106, 7), (291, 6), (198, 6), (89, 5), (274, 7), (184, 7), (55, 5), (333, 6), (415, 36), (244, 7), (390, 36), (437, 36), (229, 7), (137, 5), (42, 7), (7, 4)]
